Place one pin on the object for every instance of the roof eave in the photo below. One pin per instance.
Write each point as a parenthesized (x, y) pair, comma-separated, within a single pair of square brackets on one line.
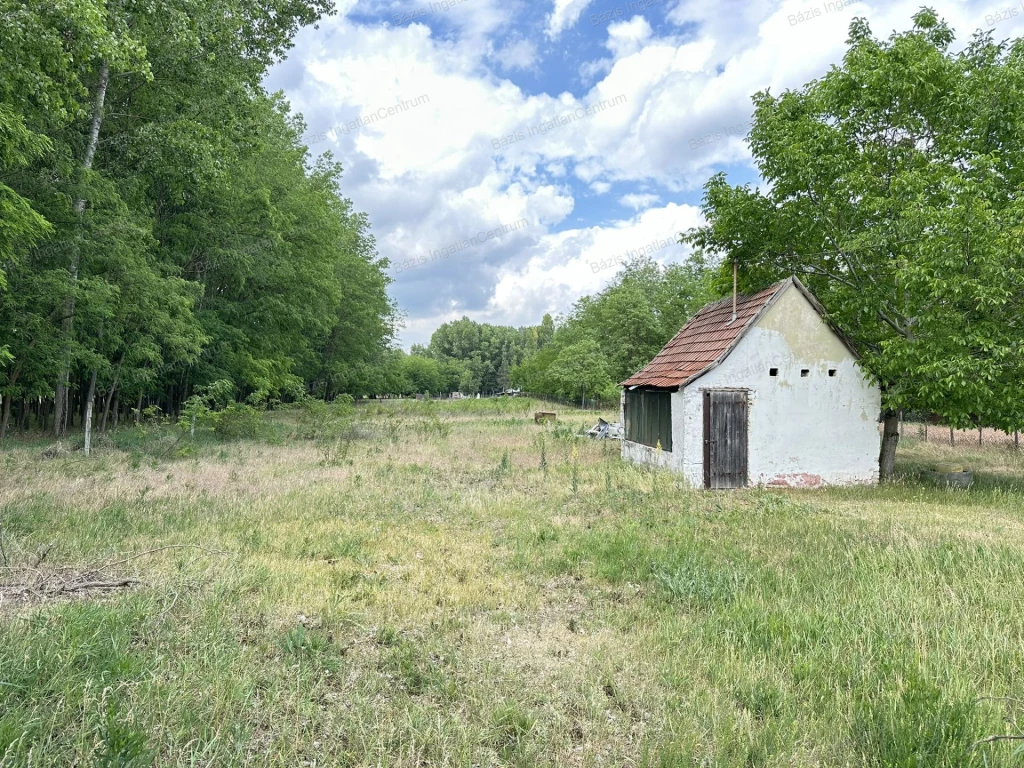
[(782, 287)]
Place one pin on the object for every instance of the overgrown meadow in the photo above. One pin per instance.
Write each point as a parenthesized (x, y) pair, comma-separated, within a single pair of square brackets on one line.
[(409, 583)]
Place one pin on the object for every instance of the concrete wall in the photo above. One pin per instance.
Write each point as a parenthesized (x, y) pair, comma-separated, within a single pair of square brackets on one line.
[(802, 431)]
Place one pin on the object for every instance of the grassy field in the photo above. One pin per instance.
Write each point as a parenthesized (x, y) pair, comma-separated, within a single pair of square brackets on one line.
[(454, 585)]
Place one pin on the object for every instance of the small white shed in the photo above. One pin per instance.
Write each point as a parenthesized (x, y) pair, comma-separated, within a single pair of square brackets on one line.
[(772, 396)]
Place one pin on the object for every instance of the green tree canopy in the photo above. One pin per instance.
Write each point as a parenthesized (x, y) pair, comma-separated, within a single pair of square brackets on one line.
[(892, 188)]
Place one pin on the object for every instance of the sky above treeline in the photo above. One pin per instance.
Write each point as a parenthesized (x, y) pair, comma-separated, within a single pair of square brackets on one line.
[(511, 155)]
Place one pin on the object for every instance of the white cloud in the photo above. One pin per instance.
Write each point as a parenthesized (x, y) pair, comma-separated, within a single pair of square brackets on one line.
[(566, 265), (627, 37), (518, 54), (638, 201), (564, 14), (490, 147)]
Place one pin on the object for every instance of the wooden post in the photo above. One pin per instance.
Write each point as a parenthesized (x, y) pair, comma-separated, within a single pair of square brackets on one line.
[(951, 440), (980, 434), (1016, 439)]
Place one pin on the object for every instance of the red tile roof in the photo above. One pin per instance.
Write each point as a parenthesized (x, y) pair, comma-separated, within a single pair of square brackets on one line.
[(705, 340)]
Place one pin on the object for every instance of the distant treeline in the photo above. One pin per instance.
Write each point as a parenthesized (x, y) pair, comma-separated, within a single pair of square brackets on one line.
[(162, 227), (604, 339)]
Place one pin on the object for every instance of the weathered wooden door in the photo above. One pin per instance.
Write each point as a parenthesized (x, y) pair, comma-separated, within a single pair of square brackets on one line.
[(725, 439)]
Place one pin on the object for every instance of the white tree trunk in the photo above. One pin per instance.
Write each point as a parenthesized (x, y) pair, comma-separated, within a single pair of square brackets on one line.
[(60, 397), (88, 428)]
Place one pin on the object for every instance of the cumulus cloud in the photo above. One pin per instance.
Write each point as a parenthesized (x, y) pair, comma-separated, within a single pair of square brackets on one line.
[(464, 120), (627, 37), (564, 14), (638, 201)]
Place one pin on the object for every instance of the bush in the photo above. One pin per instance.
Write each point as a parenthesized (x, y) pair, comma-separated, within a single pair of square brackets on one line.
[(237, 421)]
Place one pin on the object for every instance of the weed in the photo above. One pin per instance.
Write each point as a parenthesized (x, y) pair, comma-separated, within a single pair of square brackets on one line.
[(574, 471)]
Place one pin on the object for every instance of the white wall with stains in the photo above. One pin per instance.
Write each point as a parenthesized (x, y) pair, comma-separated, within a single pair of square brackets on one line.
[(803, 431)]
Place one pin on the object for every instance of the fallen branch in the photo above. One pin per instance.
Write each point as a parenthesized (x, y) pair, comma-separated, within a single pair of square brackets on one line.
[(993, 739), (158, 549), (95, 585)]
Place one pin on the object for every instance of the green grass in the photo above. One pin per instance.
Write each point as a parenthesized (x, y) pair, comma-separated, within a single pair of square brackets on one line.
[(436, 594)]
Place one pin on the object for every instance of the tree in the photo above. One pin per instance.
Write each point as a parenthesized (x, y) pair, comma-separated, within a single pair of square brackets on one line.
[(423, 373), (150, 246), (892, 188), (580, 369), (477, 356), (629, 321)]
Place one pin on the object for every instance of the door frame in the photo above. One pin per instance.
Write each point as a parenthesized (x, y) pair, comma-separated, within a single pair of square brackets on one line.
[(706, 395)]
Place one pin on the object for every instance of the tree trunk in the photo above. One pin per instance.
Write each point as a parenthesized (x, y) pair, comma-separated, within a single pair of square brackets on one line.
[(106, 406), (60, 397), (952, 439), (890, 439), (138, 411), (88, 412), (110, 393), (7, 416)]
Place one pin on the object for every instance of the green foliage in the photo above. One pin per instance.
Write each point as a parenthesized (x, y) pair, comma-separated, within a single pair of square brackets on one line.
[(511, 726), (580, 369), (611, 335), (505, 465), (477, 357), (891, 187), (191, 251), (237, 421)]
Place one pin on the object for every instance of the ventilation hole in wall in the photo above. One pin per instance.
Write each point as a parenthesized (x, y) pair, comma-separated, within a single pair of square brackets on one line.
[(832, 372), (805, 373), (773, 371)]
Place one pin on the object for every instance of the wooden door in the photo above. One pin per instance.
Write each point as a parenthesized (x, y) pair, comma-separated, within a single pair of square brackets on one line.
[(725, 439)]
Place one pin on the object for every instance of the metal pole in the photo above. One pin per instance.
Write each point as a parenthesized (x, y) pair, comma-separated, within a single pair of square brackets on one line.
[(735, 283)]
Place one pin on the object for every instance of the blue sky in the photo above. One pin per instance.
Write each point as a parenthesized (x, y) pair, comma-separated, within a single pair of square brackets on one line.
[(590, 125)]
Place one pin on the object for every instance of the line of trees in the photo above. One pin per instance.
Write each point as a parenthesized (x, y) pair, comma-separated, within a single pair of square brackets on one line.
[(465, 356), (604, 339), (609, 336), (162, 227)]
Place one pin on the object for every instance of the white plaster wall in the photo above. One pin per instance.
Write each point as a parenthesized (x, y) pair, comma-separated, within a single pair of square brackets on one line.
[(811, 431), (642, 454)]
